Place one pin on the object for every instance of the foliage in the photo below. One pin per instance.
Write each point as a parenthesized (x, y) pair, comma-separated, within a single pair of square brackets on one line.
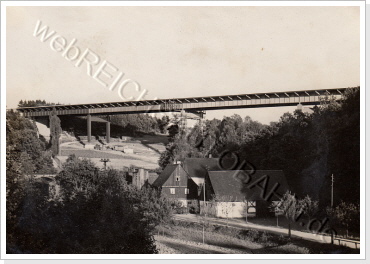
[(134, 124), (94, 211), (309, 147), (346, 215), (33, 103), (176, 206), (291, 207), (55, 131), (310, 207), (26, 155), (194, 207), (212, 138)]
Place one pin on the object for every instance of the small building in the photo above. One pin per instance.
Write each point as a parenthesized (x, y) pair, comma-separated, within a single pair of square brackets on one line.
[(119, 148), (140, 177), (89, 146), (128, 150), (232, 193)]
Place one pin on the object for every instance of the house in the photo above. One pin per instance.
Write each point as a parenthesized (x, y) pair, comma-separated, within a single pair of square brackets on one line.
[(232, 193), (175, 183), (192, 172)]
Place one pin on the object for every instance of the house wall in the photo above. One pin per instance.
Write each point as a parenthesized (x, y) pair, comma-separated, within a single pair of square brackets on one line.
[(184, 183), (227, 209), (140, 177)]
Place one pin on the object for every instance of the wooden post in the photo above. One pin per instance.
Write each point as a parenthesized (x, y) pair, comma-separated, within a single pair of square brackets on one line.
[(246, 213), (332, 193)]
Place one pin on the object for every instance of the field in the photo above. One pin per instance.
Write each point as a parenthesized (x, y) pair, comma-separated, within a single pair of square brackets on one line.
[(146, 150)]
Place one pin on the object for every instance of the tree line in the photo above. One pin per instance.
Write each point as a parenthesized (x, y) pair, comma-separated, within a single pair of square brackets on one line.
[(34, 103)]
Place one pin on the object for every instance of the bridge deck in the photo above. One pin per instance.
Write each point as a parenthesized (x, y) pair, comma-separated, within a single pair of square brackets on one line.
[(290, 98)]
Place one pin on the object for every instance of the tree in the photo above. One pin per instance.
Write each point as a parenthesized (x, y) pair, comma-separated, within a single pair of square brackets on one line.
[(162, 123), (310, 207), (25, 156), (348, 215), (55, 131), (123, 216), (291, 207), (33, 103)]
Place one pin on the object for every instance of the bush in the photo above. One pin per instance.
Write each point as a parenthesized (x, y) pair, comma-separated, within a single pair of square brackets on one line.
[(194, 207)]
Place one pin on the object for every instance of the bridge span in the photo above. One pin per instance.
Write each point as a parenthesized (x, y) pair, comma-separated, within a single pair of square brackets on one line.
[(290, 98), (191, 104)]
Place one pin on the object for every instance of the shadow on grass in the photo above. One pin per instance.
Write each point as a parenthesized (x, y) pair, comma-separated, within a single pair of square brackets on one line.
[(188, 249)]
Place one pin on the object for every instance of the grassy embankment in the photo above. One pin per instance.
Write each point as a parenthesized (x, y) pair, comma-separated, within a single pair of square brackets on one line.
[(243, 241)]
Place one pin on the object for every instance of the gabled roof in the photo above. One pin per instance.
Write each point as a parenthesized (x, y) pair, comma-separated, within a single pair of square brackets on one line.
[(166, 173), (230, 184), (197, 167)]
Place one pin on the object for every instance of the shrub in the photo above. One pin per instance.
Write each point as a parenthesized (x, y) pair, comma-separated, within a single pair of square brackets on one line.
[(194, 207)]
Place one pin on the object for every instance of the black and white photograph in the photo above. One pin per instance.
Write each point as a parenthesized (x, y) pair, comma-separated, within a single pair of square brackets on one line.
[(180, 130)]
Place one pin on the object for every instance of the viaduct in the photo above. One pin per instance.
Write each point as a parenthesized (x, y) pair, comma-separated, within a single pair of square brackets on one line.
[(196, 105)]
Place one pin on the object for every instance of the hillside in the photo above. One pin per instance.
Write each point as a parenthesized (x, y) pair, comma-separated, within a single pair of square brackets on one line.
[(146, 151)]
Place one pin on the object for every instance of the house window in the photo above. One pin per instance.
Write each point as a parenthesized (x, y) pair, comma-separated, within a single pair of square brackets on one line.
[(172, 190), (186, 191), (177, 178)]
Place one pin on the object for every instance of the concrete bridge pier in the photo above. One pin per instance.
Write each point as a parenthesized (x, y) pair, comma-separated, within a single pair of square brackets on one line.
[(107, 134), (89, 128)]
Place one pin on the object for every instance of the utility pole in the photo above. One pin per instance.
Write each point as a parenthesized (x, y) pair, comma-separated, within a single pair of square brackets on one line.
[(105, 163), (332, 192), (204, 202)]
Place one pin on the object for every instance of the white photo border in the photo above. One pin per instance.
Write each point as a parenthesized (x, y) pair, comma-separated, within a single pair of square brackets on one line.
[(5, 4)]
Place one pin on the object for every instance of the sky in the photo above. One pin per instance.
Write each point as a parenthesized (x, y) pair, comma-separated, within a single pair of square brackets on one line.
[(174, 52)]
